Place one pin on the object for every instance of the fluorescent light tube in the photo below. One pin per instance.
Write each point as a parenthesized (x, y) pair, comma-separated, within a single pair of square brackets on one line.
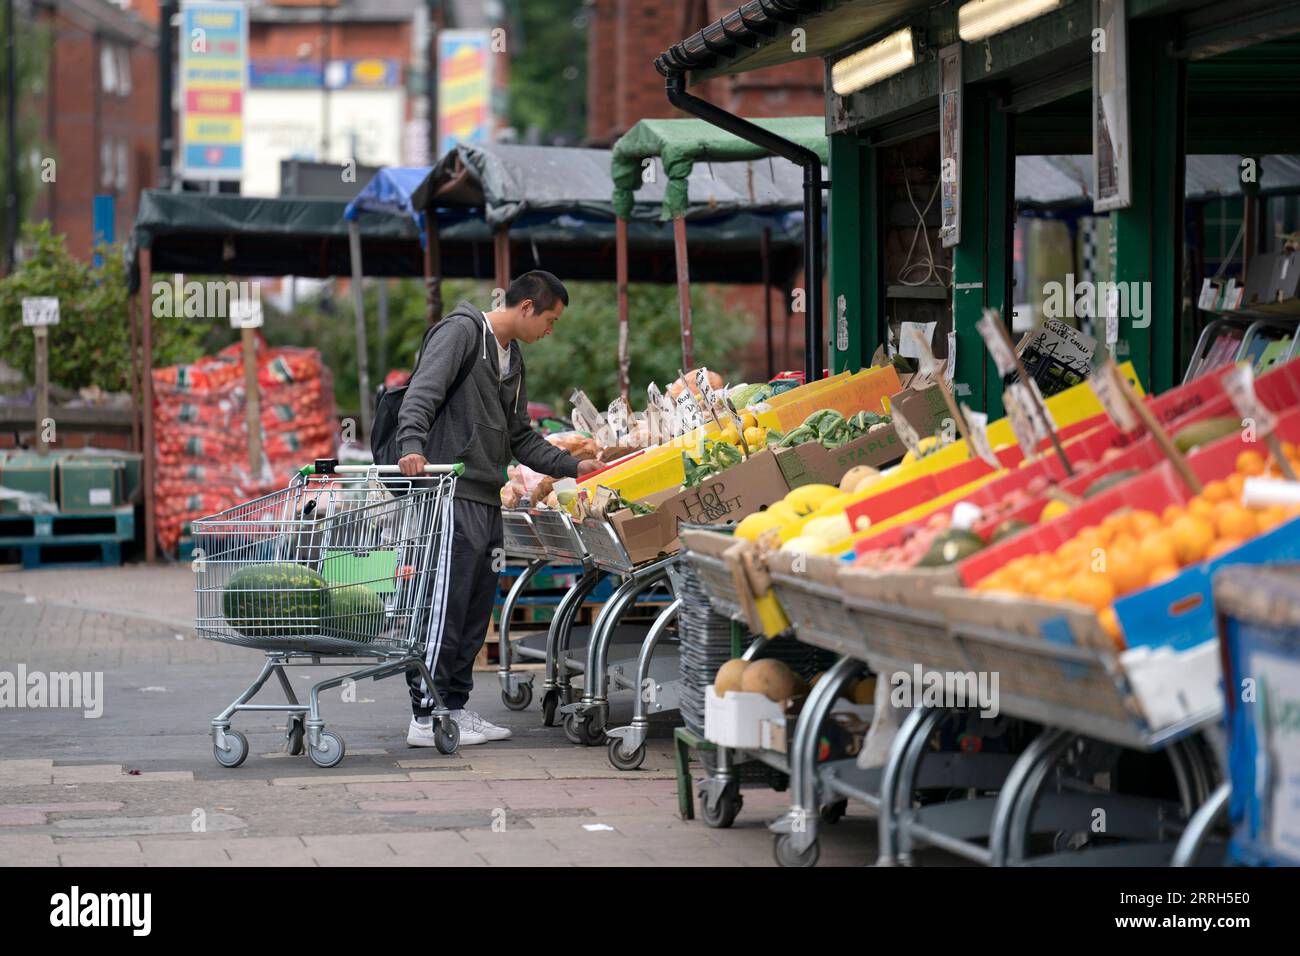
[(983, 18), (872, 64)]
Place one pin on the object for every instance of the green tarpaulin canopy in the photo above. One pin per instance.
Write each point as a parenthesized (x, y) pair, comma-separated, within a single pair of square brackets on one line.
[(681, 143)]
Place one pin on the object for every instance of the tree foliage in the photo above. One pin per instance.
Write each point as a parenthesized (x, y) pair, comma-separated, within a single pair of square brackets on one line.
[(91, 344), (582, 352), (547, 43), (31, 48)]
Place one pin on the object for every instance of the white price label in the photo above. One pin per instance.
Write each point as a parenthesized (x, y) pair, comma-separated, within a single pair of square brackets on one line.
[(952, 357), (917, 337), (1104, 383), (977, 424), (245, 313), (1021, 418), (707, 394), (995, 338), (688, 411), (581, 403), (40, 310), (1209, 296), (1240, 386), (617, 418)]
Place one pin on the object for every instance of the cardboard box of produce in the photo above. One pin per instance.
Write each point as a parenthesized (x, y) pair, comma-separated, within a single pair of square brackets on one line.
[(810, 463), (727, 496), (862, 391)]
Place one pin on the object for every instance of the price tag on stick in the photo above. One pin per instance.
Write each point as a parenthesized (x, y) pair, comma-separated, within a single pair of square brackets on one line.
[(995, 338), (1021, 424), (1240, 386), (1105, 386), (978, 440)]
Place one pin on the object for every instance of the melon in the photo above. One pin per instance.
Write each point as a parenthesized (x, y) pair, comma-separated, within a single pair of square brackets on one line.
[(354, 613), (274, 600), (729, 676), (853, 477), (865, 691), (771, 678)]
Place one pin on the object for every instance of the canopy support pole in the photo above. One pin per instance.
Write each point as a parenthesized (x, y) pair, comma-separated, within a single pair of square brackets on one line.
[(766, 253), (813, 184), (146, 412), (624, 359), (132, 320), (432, 268), (501, 258), (684, 293), (359, 311)]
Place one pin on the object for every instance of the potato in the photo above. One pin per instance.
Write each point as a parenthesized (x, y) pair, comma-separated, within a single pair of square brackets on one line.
[(771, 678), (729, 676)]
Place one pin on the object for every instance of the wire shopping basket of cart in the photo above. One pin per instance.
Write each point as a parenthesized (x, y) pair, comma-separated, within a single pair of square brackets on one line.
[(343, 566)]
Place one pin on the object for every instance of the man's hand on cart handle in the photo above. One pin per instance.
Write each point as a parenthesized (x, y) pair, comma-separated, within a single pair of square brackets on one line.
[(412, 465)]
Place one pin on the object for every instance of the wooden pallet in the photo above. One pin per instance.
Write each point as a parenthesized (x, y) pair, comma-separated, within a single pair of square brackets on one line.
[(68, 539)]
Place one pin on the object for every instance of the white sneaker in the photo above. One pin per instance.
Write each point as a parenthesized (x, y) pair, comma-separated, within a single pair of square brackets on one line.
[(420, 733), (474, 720)]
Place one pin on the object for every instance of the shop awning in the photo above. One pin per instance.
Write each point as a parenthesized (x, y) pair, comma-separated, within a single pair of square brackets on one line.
[(681, 144)]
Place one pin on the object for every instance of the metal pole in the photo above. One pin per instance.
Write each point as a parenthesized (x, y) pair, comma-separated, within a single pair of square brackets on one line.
[(766, 253), (383, 326), (501, 257), (146, 362), (11, 141), (166, 141), (432, 268), (134, 305), (252, 405), (684, 292), (620, 259), (359, 310), (814, 349), (42, 386)]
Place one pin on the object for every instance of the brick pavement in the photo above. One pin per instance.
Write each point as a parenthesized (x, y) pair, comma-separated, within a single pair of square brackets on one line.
[(139, 787)]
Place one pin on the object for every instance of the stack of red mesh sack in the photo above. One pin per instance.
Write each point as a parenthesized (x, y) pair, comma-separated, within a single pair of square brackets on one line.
[(201, 430)]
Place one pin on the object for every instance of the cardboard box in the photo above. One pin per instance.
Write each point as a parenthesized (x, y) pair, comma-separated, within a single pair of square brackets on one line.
[(863, 391), (924, 409), (810, 463)]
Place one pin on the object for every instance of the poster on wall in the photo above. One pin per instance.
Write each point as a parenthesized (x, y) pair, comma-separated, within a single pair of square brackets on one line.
[(1110, 130), (464, 88), (950, 83), (213, 70)]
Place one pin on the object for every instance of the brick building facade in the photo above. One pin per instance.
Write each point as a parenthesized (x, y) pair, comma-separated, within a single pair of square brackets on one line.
[(623, 86), (97, 115)]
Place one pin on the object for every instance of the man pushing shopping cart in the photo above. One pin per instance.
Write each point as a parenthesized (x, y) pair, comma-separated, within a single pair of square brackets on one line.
[(466, 402)]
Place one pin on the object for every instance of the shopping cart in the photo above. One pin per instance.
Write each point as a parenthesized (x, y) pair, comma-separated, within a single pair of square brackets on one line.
[(341, 566), (520, 541)]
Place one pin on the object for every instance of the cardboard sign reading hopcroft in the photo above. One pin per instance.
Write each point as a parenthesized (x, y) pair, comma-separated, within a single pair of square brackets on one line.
[(40, 311)]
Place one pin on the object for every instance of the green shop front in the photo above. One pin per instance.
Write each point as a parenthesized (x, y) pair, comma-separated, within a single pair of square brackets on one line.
[(1123, 168)]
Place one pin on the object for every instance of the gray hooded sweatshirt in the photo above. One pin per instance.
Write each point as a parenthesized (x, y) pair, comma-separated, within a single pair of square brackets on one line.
[(484, 421)]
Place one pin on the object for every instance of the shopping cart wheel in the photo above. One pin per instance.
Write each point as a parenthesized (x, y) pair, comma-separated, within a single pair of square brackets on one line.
[(550, 704), (235, 752), (832, 812), (621, 761), (571, 731), (522, 698), (721, 813), (787, 856), (293, 735), (330, 751), (446, 740)]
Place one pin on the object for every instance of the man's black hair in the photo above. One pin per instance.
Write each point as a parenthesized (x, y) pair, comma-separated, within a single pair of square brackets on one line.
[(540, 286)]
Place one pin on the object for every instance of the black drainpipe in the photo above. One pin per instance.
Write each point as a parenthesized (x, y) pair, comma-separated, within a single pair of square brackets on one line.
[(813, 184)]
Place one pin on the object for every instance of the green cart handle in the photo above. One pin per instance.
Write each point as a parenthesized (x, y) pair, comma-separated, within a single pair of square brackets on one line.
[(330, 466)]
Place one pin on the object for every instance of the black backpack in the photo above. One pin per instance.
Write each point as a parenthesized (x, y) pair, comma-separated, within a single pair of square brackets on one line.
[(383, 430)]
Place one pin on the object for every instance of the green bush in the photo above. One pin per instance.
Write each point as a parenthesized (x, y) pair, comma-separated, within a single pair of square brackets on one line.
[(91, 344)]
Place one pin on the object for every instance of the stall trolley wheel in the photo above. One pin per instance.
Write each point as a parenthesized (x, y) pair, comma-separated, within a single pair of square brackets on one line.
[(572, 732), (550, 704), (293, 736), (721, 813), (329, 752), (832, 812), (236, 749), (520, 699), (787, 856), (623, 761), (446, 736)]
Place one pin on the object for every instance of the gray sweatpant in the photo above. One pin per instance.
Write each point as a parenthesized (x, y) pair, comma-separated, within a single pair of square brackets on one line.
[(462, 601)]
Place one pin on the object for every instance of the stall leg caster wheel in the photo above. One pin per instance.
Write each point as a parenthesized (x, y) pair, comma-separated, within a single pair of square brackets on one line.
[(236, 749), (787, 856), (625, 761), (572, 730), (592, 732), (721, 812), (293, 737), (329, 752), (550, 704), (832, 812), (520, 699), (446, 740)]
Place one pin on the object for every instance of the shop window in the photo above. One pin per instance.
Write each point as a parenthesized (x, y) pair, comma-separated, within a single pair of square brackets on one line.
[(107, 69)]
